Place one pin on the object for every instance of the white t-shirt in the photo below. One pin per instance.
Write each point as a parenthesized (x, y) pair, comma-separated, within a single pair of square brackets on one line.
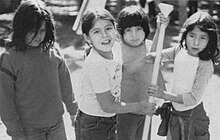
[(99, 75), (190, 77), (185, 68)]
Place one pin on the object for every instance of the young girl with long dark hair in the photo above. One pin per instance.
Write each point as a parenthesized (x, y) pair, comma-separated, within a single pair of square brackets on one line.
[(34, 78), (193, 68)]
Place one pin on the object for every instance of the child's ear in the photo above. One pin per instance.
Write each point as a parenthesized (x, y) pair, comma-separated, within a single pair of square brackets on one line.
[(87, 39)]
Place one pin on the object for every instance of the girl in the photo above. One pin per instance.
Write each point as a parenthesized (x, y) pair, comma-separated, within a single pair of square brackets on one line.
[(34, 78), (193, 68), (100, 82)]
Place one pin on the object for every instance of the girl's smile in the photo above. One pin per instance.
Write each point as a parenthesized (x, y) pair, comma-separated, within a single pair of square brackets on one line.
[(106, 42), (102, 36)]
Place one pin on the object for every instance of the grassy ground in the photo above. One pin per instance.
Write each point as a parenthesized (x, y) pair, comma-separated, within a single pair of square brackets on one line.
[(70, 44)]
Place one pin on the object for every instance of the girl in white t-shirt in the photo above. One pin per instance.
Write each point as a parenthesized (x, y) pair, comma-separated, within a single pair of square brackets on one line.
[(100, 83), (193, 68)]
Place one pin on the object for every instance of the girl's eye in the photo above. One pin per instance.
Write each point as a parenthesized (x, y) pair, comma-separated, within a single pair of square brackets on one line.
[(191, 35), (127, 30), (95, 32), (44, 30), (109, 28), (204, 38)]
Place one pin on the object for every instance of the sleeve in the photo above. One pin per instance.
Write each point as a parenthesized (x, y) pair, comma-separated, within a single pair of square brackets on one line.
[(8, 113), (66, 88), (99, 77), (170, 53), (161, 81), (202, 78), (117, 54)]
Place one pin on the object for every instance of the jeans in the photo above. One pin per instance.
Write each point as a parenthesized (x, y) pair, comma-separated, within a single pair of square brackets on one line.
[(190, 124), (89, 127), (130, 126), (55, 132)]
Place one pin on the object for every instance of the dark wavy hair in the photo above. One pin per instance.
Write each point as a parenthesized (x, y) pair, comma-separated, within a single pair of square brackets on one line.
[(132, 16), (206, 24), (89, 18), (29, 16)]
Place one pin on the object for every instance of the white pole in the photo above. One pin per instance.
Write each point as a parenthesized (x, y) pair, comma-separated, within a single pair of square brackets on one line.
[(165, 9), (79, 15), (86, 5), (158, 56)]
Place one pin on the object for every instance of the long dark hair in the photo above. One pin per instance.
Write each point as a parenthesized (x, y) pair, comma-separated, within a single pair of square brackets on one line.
[(206, 24), (29, 16)]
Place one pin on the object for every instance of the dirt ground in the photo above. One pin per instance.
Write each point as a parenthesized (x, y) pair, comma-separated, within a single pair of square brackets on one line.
[(70, 44)]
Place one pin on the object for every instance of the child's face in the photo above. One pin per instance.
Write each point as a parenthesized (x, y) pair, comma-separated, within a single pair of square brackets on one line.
[(133, 36), (102, 36), (196, 41), (35, 41)]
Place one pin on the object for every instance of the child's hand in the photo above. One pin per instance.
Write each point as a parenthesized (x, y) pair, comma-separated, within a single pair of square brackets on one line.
[(161, 19), (146, 108), (149, 58), (155, 91)]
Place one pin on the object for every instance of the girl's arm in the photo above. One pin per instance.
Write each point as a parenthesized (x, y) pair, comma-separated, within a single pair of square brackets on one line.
[(156, 91), (101, 86), (166, 55), (9, 115), (108, 104), (192, 97), (204, 74), (66, 86)]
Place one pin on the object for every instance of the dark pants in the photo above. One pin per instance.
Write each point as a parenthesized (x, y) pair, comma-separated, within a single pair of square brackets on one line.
[(130, 126), (191, 124), (56, 132), (89, 127)]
